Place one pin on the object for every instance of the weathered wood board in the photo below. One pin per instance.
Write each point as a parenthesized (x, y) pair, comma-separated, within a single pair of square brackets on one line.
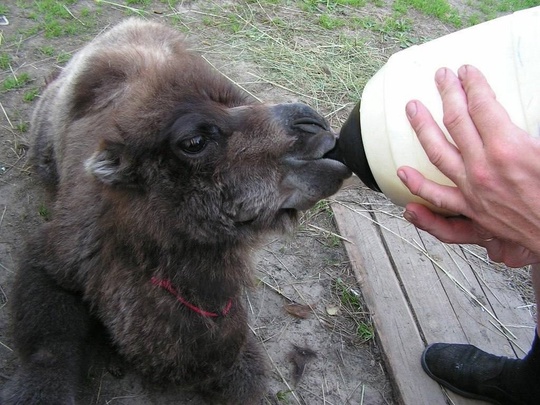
[(422, 291)]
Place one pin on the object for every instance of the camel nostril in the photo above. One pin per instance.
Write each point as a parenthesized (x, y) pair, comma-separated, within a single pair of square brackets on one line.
[(310, 125)]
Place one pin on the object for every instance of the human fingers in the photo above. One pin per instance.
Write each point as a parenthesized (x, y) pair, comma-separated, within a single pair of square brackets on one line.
[(456, 117), (489, 116), (509, 253), (443, 154), (462, 230), (447, 198), (447, 229)]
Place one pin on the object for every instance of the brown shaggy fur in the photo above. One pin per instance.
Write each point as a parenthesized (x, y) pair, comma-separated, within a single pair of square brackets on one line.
[(161, 168)]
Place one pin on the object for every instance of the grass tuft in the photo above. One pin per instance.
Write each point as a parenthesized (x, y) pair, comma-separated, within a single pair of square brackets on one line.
[(5, 61), (440, 9), (15, 81), (30, 95), (351, 302)]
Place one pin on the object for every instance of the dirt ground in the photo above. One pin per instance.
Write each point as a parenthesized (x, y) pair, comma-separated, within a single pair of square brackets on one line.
[(309, 267)]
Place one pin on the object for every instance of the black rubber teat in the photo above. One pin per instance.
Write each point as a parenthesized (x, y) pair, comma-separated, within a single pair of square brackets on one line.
[(350, 151)]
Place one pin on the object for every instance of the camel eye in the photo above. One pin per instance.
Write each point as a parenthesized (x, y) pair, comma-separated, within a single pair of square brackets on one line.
[(193, 145)]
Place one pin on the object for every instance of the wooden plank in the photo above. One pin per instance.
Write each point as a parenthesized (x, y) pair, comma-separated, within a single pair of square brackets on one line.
[(422, 291), (464, 302), (396, 330), (507, 305)]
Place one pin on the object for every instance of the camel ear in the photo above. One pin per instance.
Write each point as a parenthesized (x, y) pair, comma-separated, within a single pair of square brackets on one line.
[(112, 165), (97, 85)]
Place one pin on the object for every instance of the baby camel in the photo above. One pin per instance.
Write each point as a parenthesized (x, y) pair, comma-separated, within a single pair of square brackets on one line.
[(165, 176)]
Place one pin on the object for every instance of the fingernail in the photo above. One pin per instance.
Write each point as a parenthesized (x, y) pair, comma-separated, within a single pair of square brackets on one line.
[(409, 216), (411, 109), (462, 72), (440, 75), (402, 176)]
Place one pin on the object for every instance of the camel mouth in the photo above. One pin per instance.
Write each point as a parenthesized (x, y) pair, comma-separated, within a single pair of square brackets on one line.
[(311, 125), (337, 168)]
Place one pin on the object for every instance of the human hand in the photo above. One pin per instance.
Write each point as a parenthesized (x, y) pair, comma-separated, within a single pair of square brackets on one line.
[(495, 166)]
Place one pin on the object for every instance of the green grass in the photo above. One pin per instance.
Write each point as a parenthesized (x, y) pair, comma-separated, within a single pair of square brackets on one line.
[(15, 81), (489, 9), (55, 18), (47, 50), (351, 300), (311, 5), (330, 22), (22, 126), (482, 9), (395, 28), (507, 5), (439, 9), (5, 61), (234, 24), (142, 3), (283, 396), (30, 95), (348, 296), (49, 19), (44, 212), (365, 331), (334, 15), (322, 206), (63, 57)]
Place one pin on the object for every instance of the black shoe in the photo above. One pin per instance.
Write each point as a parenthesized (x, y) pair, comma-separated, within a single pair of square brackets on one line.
[(473, 373)]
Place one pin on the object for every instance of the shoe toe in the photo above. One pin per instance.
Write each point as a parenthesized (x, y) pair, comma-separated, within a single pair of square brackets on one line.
[(464, 369)]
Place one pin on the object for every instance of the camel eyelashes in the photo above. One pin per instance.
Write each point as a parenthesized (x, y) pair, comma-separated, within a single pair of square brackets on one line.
[(193, 145)]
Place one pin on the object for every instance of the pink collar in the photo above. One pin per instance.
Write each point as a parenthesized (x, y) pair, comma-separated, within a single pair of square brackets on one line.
[(167, 285)]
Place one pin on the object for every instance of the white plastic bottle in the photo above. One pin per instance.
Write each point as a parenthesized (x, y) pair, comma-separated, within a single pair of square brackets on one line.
[(506, 50)]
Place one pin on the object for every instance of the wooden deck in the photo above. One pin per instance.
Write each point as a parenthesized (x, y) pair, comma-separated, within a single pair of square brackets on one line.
[(422, 291)]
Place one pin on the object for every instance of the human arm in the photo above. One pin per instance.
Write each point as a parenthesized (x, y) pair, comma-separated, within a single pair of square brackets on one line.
[(495, 166)]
